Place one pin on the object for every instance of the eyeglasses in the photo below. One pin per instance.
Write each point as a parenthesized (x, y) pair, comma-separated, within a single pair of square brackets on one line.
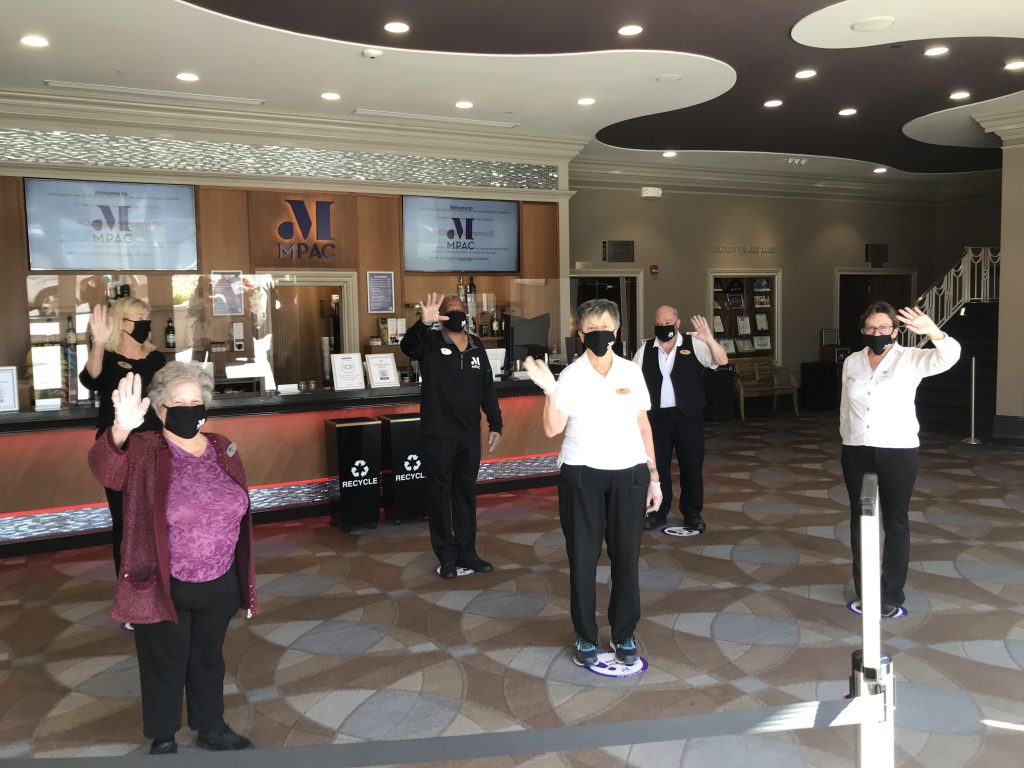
[(884, 330)]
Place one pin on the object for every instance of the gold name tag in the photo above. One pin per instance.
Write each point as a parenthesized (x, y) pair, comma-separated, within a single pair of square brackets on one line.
[(445, 351), (622, 391), (684, 351), (123, 364)]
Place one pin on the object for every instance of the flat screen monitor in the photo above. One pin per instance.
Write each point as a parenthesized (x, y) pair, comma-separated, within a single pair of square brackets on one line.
[(445, 234), (110, 226)]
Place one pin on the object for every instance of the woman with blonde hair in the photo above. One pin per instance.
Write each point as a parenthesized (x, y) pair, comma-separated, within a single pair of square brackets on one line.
[(120, 345)]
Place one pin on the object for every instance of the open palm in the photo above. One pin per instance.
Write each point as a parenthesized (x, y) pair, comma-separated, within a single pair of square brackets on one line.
[(129, 405)]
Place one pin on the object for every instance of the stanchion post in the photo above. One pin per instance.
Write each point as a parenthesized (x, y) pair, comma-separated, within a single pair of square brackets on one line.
[(972, 440), (872, 672)]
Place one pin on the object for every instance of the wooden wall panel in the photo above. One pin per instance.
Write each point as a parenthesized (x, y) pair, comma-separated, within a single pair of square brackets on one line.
[(538, 233), (14, 338), (380, 249), (51, 470)]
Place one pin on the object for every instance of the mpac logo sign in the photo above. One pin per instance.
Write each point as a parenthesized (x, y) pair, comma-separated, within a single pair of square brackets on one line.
[(412, 464), (113, 226), (461, 234), (359, 470), (306, 241)]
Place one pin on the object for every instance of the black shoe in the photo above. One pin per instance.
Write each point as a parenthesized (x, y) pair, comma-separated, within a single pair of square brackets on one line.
[(650, 523), (695, 523), (449, 570), (222, 742), (477, 564), (584, 653), (163, 747), (890, 611), (625, 652)]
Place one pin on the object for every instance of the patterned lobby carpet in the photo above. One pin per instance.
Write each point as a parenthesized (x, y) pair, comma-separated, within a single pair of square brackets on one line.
[(360, 641)]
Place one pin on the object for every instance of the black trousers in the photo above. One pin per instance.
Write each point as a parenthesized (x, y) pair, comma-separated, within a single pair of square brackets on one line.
[(672, 430), (115, 503), (452, 467), (596, 505), (897, 471), (187, 656)]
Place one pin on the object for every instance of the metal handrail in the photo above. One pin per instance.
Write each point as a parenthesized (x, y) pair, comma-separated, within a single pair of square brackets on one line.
[(974, 278)]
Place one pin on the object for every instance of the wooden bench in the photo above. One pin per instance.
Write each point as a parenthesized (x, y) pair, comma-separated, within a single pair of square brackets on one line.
[(760, 377)]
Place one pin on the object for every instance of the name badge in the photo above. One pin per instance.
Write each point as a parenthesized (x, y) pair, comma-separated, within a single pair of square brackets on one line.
[(622, 391), (445, 351), (123, 364), (232, 450), (684, 351)]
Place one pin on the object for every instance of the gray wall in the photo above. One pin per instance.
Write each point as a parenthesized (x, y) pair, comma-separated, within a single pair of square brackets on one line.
[(677, 233)]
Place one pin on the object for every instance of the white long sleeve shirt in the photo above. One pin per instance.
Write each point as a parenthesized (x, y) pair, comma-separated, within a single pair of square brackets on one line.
[(877, 407)]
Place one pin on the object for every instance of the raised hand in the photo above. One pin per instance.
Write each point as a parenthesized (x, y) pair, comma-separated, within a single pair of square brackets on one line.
[(917, 321), (100, 325), (701, 330), (540, 374), (129, 405), (430, 308)]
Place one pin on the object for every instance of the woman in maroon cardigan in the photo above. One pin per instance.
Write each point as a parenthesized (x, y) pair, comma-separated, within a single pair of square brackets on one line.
[(187, 563)]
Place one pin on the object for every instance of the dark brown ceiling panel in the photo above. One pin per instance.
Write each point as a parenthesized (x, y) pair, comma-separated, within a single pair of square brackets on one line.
[(888, 85)]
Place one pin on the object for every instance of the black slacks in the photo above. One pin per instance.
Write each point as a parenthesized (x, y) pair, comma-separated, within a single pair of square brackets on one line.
[(115, 503), (187, 656), (897, 471), (452, 467), (596, 505), (672, 430)]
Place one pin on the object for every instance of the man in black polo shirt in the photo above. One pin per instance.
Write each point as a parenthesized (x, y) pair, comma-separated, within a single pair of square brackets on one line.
[(673, 364), (457, 384)]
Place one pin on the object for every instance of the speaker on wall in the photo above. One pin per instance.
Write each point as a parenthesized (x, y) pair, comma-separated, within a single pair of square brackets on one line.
[(876, 253)]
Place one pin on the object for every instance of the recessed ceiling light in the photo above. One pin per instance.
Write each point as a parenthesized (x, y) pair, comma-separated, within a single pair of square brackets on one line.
[(937, 50), (668, 78), (396, 27), (330, 96), (188, 77), (630, 29), (847, 112), (873, 23), (960, 95), (804, 74), (880, 170), (670, 153), (772, 103), (1015, 65), (464, 104), (586, 101), (35, 41)]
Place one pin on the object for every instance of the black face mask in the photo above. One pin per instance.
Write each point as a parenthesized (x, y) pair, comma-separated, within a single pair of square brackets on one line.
[(599, 342), (185, 420), (665, 332), (876, 344), (456, 321), (140, 330)]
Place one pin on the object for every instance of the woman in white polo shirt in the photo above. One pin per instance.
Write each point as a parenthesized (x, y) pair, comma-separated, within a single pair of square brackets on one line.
[(608, 476), (878, 425)]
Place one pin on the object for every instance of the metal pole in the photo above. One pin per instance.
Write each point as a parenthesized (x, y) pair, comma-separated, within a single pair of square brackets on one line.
[(972, 440), (872, 672)]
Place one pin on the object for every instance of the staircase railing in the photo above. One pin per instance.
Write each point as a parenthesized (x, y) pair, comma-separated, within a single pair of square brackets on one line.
[(974, 278)]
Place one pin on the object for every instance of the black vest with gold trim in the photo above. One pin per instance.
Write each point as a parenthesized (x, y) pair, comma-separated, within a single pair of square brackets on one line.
[(687, 376)]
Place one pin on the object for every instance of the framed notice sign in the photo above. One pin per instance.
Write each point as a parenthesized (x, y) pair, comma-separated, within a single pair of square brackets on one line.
[(383, 371), (8, 388), (347, 371), (380, 292)]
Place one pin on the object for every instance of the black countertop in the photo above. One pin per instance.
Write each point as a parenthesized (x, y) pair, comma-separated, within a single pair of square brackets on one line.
[(251, 405)]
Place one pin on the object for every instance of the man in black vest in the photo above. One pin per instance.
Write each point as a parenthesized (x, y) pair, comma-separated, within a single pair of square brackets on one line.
[(673, 364)]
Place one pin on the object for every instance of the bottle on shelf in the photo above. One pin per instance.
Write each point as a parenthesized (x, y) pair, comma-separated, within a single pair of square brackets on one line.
[(70, 362), (555, 356), (462, 289), (169, 337), (471, 291), (495, 324)]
